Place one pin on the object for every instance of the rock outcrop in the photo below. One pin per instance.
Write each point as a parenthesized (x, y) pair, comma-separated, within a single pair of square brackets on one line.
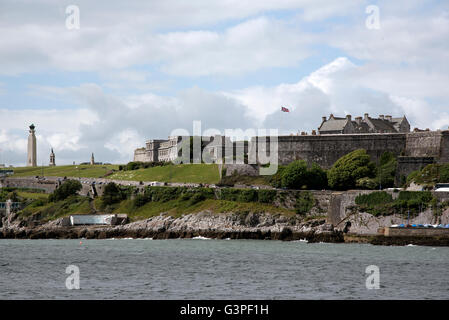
[(205, 224)]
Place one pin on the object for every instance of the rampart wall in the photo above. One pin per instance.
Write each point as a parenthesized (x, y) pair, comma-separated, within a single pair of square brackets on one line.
[(326, 149)]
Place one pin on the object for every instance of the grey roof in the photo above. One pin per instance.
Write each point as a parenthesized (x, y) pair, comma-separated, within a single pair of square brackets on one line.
[(383, 125), (333, 125), (360, 128)]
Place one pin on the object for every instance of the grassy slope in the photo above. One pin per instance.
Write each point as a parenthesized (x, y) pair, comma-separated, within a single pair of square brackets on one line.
[(85, 171), (176, 208), (32, 195), (193, 173), (54, 210)]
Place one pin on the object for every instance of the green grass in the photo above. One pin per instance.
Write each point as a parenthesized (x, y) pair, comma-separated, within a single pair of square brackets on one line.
[(32, 195), (84, 171), (192, 173), (177, 208), (53, 210)]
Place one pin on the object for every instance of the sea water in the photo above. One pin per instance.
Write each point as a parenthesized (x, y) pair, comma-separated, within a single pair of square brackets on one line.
[(219, 269)]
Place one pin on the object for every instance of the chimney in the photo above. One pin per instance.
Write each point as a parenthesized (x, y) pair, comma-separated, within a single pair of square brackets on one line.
[(366, 116), (331, 116), (358, 120), (313, 132), (324, 119), (348, 116), (389, 118), (381, 116)]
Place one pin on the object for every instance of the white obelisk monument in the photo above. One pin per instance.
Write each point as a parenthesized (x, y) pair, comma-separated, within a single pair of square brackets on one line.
[(32, 159)]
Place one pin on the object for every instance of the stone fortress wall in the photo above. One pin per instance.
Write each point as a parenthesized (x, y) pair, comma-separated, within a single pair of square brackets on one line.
[(413, 149)]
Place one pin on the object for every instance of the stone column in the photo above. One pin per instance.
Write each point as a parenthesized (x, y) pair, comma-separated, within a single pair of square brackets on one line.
[(32, 159)]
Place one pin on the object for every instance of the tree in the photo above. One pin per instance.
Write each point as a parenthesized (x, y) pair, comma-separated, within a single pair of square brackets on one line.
[(298, 176), (316, 177), (67, 189), (275, 180), (112, 194), (348, 169), (295, 175), (387, 169)]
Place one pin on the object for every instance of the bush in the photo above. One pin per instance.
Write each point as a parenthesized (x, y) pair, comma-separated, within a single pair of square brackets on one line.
[(141, 199), (266, 196), (295, 175), (387, 170), (247, 195), (197, 197), (316, 177), (276, 179), (381, 203), (298, 176), (112, 194), (367, 183), (348, 169), (374, 198), (430, 174), (304, 202), (65, 190)]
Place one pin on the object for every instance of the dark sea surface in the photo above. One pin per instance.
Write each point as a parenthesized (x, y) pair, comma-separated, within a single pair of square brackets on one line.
[(219, 269)]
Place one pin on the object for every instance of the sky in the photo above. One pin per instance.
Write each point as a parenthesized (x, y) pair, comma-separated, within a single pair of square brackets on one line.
[(130, 71)]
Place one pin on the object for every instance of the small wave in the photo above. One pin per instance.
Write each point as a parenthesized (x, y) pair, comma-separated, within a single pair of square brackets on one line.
[(411, 245), (201, 238), (301, 240)]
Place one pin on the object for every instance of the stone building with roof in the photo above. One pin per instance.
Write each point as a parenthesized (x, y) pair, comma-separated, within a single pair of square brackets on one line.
[(383, 124)]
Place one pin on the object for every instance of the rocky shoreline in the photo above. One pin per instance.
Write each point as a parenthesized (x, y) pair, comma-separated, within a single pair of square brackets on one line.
[(255, 226), (261, 226)]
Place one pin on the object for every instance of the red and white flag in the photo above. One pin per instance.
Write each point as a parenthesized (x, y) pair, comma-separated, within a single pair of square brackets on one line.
[(284, 109)]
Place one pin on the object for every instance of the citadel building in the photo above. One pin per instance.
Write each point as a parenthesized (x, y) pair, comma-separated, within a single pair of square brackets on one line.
[(336, 137), (383, 124)]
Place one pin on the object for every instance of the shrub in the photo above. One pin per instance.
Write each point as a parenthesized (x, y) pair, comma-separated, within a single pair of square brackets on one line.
[(229, 194), (295, 175), (304, 202), (367, 183), (275, 180), (141, 199), (65, 190), (316, 177), (197, 197), (348, 169), (382, 202), (247, 195), (266, 196), (298, 176), (374, 198), (112, 194), (387, 169)]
